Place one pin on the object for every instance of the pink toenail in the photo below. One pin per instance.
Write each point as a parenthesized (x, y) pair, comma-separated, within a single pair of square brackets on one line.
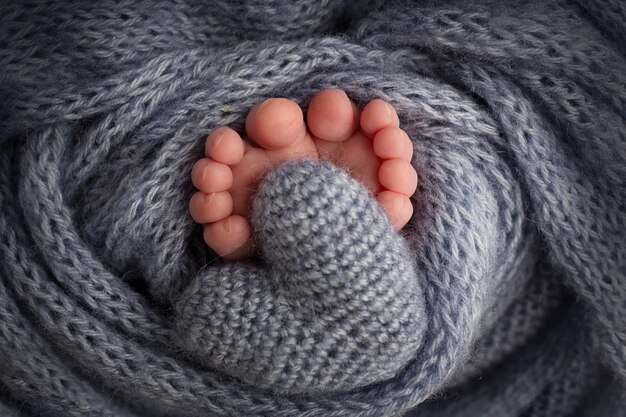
[(262, 105), (390, 109), (228, 225), (204, 172), (208, 198), (219, 139)]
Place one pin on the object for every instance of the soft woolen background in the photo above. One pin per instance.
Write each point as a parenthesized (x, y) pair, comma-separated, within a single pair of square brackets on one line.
[(505, 295)]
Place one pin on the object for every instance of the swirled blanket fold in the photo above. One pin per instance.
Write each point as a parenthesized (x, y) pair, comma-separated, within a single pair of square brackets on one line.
[(505, 294)]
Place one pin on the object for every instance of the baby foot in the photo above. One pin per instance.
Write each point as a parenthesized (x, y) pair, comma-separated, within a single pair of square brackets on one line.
[(370, 145), (228, 175)]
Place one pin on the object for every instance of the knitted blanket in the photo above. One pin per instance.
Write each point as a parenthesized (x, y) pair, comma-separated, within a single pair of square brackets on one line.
[(505, 295)]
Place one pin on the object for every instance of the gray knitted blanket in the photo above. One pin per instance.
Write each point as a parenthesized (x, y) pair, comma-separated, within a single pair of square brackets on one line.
[(505, 295)]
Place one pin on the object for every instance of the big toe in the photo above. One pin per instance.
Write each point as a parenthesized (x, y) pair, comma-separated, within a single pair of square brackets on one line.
[(332, 116), (276, 123)]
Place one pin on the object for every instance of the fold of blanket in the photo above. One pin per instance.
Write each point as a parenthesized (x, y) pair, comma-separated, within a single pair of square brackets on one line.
[(505, 295)]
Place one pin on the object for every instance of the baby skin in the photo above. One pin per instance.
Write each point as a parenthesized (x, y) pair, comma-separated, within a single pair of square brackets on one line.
[(369, 144)]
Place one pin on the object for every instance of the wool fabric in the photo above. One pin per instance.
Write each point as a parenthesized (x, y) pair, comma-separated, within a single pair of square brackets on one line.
[(505, 294)]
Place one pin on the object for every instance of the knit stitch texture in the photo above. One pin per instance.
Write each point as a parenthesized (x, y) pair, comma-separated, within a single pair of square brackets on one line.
[(505, 295)]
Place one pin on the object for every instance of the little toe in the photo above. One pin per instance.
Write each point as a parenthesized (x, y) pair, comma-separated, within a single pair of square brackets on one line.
[(377, 115), (210, 176), (397, 206), (230, 238), (224, 145), (212, 207), (245, 177), (276, 123), (332, 116), (393, 143), (398, 175)]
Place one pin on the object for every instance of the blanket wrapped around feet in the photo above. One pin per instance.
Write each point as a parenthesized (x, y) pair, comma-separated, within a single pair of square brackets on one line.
[(505, 295)]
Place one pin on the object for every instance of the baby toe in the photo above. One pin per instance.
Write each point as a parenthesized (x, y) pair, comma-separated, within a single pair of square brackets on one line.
[(332, 116), (230, 237), (210, 176), (224, 145), (377, 115), (393, 143), (276, 123), (397, 206), (212, 207), (398, 175)]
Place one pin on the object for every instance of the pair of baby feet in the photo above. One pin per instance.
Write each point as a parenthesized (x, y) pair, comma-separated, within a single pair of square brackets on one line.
[(369, 144)]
